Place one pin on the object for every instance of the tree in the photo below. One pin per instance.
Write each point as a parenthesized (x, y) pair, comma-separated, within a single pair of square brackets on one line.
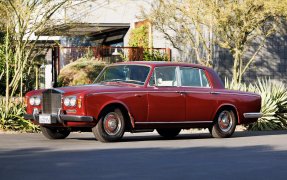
[(184, 25), (23, 18), (232, 24), (240, 23)]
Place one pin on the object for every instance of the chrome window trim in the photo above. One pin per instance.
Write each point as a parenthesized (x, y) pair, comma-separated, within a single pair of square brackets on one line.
[(117, 92), (146, 65), (200, 76)]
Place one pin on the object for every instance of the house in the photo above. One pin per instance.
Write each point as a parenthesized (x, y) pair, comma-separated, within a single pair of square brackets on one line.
[(106, 26), (103, 25)]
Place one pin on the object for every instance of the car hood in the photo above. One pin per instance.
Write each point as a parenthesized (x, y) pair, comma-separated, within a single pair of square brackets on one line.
[(70, 90), (86, 89)]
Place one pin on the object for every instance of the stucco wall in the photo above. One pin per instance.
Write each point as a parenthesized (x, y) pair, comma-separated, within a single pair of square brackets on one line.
[(271, 62)]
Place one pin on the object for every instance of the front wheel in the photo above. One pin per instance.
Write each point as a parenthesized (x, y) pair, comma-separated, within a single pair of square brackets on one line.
[(168, 133), (111, 126), (55, 133), (224, 124)]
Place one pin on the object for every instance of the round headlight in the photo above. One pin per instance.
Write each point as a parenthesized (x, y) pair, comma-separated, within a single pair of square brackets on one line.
[(37, 100), (67, 101), (32, 101), (73, 101)]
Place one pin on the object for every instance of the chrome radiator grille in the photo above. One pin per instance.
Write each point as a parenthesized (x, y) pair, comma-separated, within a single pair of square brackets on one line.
[(52, 101)]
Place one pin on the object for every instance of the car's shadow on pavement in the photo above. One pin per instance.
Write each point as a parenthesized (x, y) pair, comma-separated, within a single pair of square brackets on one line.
[(206, 162), (186, 136)]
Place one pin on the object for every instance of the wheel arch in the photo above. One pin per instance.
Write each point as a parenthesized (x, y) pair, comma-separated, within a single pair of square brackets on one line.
[(227, 106), (124, 109)]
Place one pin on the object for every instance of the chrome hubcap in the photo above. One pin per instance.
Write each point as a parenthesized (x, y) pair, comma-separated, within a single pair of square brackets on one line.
[(112, 123), (225, 120)]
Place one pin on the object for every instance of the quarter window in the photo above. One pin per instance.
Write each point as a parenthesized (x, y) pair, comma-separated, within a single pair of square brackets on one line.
[(193, 77)]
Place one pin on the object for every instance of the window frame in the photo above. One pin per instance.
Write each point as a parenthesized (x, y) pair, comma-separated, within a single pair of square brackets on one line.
[(177, 77), (200, 71)]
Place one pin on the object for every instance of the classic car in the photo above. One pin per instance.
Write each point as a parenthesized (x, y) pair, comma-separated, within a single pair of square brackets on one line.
[(143, 96)]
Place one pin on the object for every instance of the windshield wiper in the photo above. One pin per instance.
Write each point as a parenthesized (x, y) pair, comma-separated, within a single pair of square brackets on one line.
[(134, 81), (113, 80)]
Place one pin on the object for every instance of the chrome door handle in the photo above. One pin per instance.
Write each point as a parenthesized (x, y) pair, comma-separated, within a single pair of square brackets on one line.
[(214, 92), (180, 92)]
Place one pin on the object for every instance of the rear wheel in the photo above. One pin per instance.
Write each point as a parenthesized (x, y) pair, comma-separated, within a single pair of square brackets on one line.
[(224, 124), (111, 126), (55, 133), (168, 133)]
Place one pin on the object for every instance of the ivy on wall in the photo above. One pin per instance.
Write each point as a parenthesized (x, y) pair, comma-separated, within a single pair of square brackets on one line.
[(139, 37)]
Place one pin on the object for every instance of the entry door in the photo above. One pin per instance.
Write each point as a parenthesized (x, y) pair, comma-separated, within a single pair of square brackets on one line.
[(166, 103), (200, 102)]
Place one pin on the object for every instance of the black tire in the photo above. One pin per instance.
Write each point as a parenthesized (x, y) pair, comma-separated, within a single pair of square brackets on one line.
[(224, 124), (111, 126), (168, 133), (55, 133)]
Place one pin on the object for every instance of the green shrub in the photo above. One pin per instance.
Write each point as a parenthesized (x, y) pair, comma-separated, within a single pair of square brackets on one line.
[(273, 104), (81, 71), (13, 120), (154, 56)]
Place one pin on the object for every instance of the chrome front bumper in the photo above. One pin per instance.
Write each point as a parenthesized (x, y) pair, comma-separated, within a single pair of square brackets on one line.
[(252, 115), (59, 118)]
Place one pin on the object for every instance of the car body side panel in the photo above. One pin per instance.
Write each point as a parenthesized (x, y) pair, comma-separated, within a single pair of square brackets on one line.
[(200, 104), (134, 101), (166, 104), (242, 102)]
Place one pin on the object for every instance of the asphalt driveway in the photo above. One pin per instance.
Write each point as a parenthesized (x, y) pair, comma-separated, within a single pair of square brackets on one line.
[(247, 155)]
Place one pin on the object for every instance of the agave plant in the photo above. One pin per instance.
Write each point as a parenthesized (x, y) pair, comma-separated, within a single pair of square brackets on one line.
[(13, 119), (274, 101), (273, 105)]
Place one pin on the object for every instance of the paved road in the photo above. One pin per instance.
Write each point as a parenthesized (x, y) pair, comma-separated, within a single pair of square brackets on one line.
[(247, 155)]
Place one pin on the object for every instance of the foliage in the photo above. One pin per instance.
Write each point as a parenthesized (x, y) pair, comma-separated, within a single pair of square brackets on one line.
[(235, 25), (13, 119), (154, 56), (81, 71), (184, 24), (22, 21), (139, 37), (273, 103), (238, 25)]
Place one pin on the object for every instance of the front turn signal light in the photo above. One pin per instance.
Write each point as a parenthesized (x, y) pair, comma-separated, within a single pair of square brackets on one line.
[(79, 102)]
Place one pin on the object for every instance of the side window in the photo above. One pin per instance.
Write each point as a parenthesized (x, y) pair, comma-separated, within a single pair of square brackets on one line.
[(164, 76), (193, 77), (205, 82)]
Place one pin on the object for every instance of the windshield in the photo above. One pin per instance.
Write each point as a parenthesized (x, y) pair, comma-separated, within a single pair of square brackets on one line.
[(134, 74)]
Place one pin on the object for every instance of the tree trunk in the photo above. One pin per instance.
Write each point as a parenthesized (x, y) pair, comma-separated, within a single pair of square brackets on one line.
[(237, 55), (7, 93)]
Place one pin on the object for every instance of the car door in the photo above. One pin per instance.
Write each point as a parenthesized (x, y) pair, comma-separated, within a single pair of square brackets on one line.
[(166, 103), (200, 102)]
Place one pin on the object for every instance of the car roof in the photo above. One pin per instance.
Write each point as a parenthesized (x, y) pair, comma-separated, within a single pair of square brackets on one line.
[(216, 81), (162, 63)]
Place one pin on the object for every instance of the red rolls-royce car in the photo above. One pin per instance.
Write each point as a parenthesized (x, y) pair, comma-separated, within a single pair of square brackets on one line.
[(143, 96)]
